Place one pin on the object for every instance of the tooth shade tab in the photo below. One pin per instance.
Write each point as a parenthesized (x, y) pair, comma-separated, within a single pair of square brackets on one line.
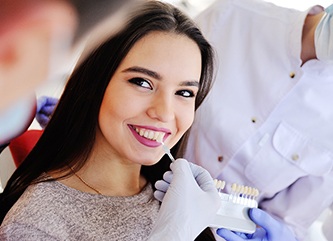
[(219, 184), (160, 137), (239, 194), (233, 212)]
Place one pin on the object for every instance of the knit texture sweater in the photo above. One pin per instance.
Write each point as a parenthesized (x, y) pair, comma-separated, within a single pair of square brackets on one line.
[(52, 211)]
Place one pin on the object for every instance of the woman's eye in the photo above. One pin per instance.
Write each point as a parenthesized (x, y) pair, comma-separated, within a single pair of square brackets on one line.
[(141, 82), (185, 93)]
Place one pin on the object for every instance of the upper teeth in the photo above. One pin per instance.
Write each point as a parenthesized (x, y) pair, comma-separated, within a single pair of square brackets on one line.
[(149, 134)]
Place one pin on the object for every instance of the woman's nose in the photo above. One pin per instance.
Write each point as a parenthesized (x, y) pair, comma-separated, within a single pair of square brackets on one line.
[(162, 108)]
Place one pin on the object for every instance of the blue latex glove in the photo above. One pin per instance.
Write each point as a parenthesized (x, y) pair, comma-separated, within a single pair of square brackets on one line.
[(270, 229), (189, 202), (45, 108)]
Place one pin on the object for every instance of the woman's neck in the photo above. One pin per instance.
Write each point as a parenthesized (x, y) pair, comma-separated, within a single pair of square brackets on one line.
[(113, 178), (107, 175), (108, 171)]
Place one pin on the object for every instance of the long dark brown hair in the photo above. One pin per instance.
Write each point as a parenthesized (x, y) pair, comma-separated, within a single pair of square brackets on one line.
[(68, 139)]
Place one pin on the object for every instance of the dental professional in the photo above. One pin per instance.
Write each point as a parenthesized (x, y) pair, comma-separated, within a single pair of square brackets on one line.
[(38, 38), (59, 177), (267, 121)]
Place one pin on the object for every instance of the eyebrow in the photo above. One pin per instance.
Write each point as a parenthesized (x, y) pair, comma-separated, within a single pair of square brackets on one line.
[(157, 76), (145, 71)]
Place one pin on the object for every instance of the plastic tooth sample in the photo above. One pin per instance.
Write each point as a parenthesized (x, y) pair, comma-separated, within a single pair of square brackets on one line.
[(233, 213)]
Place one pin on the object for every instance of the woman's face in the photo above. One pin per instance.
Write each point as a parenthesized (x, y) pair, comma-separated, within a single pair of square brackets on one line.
[(151, 93)]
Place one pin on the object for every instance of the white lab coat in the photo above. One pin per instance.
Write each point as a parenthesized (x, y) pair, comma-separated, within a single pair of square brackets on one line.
[(268, 121)]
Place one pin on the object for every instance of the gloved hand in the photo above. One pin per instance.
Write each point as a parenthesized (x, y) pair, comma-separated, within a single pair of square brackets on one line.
[(189, 202), (45, 108), (270, 230)]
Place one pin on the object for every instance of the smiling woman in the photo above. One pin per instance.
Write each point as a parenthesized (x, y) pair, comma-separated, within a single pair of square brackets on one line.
[(155, 83), (163, 84), (98, 157)]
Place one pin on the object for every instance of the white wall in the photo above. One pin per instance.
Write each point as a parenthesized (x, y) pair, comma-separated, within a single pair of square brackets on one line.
[(193, 7), (301, 4)]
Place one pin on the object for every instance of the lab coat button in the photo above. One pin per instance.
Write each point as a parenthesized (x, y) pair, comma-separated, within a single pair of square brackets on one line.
[(220, 158), (292, 75), (295, 157)]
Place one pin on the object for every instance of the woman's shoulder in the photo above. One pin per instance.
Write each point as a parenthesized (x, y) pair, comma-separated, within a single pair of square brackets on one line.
[(34, 211), (34, 201)]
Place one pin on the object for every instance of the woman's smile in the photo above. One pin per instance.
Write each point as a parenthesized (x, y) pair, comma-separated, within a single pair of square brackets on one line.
[(149, 136)]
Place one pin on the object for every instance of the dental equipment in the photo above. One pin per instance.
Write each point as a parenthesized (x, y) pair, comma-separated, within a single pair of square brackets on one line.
[(233, 213), (165, 147)]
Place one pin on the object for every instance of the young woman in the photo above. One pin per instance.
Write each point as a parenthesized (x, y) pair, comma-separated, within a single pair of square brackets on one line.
[(91, 174)]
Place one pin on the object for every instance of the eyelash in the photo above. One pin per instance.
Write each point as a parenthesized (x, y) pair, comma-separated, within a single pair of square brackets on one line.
[(190, 93), (140, 81)]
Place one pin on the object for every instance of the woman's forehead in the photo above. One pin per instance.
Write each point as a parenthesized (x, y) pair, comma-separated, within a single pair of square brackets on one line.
[(164, 51)]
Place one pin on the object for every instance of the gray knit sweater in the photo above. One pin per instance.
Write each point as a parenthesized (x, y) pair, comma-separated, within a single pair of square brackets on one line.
[(52, 211)]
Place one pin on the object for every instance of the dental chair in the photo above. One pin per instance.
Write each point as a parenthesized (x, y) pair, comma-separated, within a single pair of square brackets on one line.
[(13, 155), (23, 144)]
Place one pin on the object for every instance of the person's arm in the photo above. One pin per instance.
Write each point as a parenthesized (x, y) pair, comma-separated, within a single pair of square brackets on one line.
[(189, 202), (324, 36), (269, 229), (16, 119), (44, 108)]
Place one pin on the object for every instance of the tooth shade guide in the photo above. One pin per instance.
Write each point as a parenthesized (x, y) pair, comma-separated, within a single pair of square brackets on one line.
[(233, 213), (239, 194)]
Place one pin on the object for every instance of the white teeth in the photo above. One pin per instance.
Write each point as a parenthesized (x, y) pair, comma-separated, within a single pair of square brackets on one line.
[(149, 134), (156, 134)]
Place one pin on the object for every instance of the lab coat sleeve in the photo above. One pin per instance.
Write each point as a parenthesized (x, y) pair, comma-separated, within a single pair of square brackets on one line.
[(293, 205)]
